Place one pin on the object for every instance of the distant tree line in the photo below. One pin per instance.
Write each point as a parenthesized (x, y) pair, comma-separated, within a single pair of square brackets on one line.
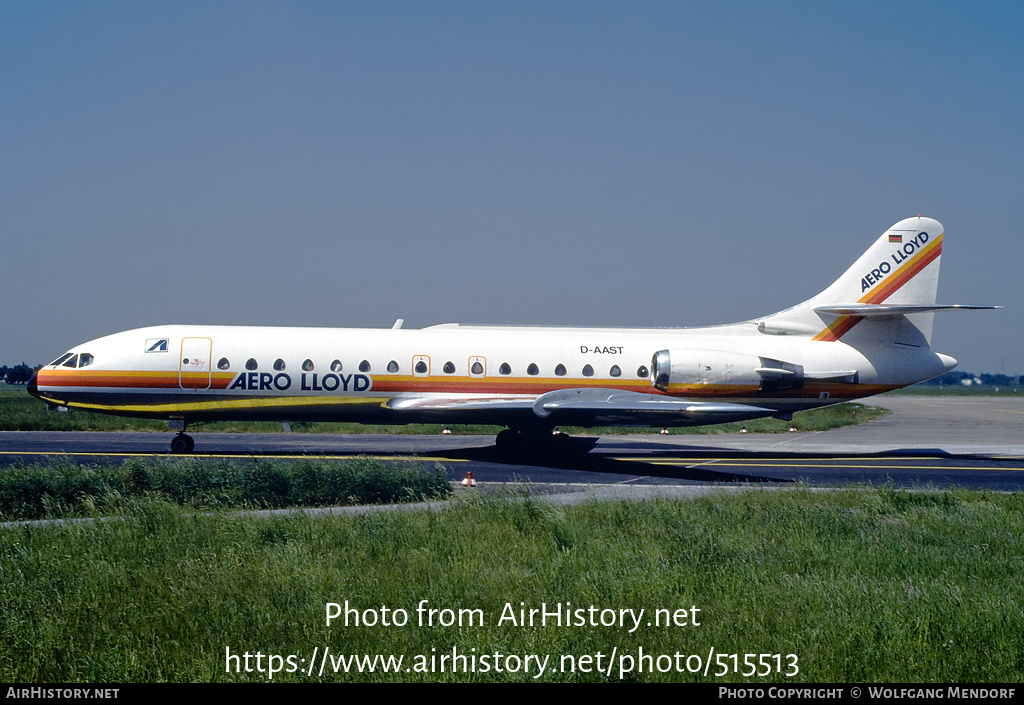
[(956, 379), (19, 374)]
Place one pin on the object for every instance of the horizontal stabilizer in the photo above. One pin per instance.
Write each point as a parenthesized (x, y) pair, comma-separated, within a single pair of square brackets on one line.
[(869, 310)]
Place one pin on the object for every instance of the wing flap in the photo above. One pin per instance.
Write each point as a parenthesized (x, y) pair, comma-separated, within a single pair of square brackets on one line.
[(647, 409)]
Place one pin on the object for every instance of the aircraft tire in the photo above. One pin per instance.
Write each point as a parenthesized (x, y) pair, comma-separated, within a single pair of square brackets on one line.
[(508, 439), (182, 443)]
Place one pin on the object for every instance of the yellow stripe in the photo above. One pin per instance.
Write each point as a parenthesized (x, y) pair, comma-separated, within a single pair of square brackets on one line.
[(215, 405)]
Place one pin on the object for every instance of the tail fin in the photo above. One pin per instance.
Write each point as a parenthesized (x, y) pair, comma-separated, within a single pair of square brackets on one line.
[(894, 283)]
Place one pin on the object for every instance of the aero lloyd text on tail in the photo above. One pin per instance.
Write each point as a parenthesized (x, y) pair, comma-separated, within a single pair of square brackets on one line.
[(868, 332)]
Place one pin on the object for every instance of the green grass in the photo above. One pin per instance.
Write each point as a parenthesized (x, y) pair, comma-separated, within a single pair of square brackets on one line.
[(21, 412), (64, 488), (869, 585)]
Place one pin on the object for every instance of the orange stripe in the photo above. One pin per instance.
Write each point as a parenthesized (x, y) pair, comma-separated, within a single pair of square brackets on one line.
[(840, 327), (905, 273), (123, 379)]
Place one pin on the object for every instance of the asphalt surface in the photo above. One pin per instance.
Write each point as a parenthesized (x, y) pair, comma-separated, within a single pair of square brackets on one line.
[(973, 442)]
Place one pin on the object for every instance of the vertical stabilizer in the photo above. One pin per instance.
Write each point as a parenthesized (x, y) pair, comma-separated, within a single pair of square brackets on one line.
[(900, 268)]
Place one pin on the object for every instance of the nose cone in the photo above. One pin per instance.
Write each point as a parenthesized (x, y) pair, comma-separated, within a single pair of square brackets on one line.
[(32, 388), (947, 362)]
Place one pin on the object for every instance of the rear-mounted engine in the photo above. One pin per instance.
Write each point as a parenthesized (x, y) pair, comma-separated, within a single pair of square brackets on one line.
[(694, 368)]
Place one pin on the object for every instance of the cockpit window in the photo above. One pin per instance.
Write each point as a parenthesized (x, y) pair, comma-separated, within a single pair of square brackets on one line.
[(85, 359), (61, 359), (72, 362)]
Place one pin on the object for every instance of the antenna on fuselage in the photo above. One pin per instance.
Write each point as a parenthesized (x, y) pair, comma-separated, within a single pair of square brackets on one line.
[(398, 324)]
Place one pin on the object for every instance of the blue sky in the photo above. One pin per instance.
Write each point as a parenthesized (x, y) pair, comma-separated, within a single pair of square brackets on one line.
[(578, 163)]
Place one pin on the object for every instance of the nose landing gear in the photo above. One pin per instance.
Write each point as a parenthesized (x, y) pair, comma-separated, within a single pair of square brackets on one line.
[(182, 443)]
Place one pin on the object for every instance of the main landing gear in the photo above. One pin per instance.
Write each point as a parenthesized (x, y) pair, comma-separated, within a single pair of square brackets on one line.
[(533, 441)]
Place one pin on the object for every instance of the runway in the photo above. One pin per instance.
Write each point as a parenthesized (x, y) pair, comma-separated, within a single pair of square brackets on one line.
[(970, 442)]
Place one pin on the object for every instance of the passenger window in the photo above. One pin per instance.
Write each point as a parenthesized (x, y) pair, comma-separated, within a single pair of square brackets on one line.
[(642, 372), (449, 368), (73, 362), (364, 366), (477, 366), (560, 370), (532, 369), (336, 366), (84, 360), (615, 371), (250, 364), (392, 367), (505, 369), (421, 367), (279, 364), (223, 364), (588, 371), (307, 365)]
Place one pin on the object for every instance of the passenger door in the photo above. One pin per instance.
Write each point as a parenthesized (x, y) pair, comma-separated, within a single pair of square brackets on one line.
[(194, 363)]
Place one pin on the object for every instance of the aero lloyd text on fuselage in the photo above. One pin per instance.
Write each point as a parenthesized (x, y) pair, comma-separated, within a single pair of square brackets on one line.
[(898, 257), (308, 382)]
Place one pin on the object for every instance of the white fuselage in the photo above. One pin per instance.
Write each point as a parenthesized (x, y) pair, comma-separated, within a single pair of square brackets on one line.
[(389, 375)]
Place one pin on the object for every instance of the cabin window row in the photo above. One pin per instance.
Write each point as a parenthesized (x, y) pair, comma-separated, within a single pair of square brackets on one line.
[(420, 367)]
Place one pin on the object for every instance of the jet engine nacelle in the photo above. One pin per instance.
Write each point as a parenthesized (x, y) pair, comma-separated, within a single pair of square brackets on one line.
[(697, 367)]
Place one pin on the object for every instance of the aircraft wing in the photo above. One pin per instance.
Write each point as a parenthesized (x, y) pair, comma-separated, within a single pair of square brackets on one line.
[(589, 406)]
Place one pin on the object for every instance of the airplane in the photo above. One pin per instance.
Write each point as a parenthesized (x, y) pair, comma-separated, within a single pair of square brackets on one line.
[(867, 333)]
